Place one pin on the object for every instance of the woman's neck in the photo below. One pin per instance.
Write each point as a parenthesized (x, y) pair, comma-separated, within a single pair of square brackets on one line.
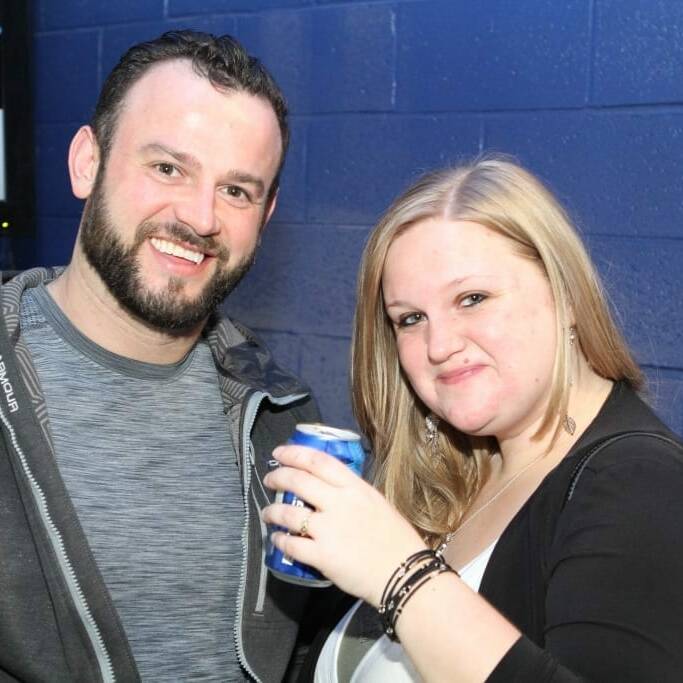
[(586, 397)]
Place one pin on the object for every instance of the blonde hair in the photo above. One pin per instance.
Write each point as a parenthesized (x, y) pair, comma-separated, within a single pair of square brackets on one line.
[(433, 493)]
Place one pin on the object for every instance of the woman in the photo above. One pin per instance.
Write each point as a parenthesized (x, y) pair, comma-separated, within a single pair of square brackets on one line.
[(486, 366)]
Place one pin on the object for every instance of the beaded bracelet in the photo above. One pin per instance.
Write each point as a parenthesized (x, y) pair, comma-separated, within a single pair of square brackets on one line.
[(408, 589), (398, 574), (403, 584)]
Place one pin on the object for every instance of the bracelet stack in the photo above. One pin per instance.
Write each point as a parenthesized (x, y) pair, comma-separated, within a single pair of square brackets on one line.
[(412, 573)]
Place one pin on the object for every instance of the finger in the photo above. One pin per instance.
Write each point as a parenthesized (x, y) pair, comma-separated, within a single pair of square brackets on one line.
[(296, 519), (300, 548), (305, 486), (322, 465)]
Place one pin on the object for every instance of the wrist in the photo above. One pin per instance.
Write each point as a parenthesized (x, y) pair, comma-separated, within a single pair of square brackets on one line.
[(390, 562), (407, 578)]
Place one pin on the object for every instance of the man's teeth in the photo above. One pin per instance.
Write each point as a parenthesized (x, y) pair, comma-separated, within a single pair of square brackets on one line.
[(176, 250)]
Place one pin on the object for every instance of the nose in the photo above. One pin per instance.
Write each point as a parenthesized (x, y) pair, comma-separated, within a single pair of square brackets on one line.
[(444, 338), (197, 209)]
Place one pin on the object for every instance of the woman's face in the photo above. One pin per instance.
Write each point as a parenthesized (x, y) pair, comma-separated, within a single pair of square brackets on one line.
[(475, 326)]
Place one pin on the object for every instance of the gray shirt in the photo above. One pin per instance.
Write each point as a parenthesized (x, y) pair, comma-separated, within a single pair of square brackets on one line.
[(145, 454)]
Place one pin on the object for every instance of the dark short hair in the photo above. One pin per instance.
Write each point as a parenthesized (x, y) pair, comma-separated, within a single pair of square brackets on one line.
[(220, 59)]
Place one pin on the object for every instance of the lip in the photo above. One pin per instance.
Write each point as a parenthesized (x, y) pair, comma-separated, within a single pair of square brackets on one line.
[(460, 374)]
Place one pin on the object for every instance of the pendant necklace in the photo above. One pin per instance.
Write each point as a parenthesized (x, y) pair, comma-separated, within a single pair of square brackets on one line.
[(451, 534)]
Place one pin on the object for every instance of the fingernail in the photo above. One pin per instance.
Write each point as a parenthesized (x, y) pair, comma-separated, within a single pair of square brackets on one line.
[(277, 452)]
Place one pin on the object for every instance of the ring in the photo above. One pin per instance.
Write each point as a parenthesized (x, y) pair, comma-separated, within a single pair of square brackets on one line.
[(303, 529)]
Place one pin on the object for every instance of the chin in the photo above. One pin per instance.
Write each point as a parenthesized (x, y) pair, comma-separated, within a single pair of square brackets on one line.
[(475, 423)]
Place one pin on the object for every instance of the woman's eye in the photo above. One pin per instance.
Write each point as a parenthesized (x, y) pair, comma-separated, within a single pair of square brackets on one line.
[(472, 299), (409, 319)]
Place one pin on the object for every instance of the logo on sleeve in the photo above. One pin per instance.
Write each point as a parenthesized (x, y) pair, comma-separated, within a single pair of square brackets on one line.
[(7, 388)]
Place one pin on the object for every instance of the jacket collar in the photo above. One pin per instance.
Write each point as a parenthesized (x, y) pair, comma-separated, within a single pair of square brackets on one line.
[(243, 361), (246, 363)]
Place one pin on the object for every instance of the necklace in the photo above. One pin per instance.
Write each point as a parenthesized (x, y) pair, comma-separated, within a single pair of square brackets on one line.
[(451, 534)]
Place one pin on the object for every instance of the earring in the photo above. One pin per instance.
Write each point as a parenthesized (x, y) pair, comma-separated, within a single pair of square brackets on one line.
[(432, 433), (569, 424)]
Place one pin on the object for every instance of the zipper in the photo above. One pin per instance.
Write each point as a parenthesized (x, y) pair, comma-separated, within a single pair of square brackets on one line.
[(248, 462), (57, 542), (247, 454), (263, 574)]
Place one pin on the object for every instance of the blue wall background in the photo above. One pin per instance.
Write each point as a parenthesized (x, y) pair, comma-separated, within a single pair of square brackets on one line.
[(587, 93)]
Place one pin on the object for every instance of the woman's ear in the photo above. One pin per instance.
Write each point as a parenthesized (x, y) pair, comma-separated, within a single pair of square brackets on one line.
[(84, 160)]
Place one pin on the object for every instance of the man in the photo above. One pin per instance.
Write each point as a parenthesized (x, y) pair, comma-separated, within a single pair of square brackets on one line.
[(137, 423)]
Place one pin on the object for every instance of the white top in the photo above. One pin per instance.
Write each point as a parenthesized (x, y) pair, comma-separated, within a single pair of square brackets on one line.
[(386, 661)]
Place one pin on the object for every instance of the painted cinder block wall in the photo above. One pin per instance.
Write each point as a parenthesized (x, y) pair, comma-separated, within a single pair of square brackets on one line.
[(587, 93)]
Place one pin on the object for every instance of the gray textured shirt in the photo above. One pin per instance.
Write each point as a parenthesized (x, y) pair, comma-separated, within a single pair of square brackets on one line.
[(146, 457)]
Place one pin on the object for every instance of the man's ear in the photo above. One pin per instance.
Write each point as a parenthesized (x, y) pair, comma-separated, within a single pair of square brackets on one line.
[(270, 208), (84, 160)]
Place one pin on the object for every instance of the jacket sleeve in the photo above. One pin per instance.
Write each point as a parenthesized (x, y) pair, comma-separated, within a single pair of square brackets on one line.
[(614, 596)]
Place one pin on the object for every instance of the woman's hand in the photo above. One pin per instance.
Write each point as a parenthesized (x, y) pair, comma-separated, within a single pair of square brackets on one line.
[(353, 536)]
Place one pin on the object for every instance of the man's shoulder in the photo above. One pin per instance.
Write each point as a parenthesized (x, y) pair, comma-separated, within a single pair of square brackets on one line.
[(16, 282), (244, 357)]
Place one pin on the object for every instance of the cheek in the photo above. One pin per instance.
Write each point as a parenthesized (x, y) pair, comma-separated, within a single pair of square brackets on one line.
[(525, 346), (240, 230), (499, 337), (411, 357), (135, 200)]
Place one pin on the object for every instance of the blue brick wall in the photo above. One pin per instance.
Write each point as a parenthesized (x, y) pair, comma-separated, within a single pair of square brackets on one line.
[(587, 93)]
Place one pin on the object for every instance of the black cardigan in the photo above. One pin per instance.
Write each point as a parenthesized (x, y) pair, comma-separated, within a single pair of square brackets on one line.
[(596, 585)]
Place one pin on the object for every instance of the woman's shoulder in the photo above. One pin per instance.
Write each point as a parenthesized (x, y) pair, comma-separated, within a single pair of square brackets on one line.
[(624, 410), (625, 431), (625, 472), (626, 455), (632, 480)]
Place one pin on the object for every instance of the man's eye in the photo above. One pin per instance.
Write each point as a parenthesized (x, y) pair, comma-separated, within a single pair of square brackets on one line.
[(473, 299), (166, 169), (409, 319), (237, 195)]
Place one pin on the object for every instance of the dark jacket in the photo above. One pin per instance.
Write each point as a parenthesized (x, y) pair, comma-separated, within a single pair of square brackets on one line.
[(596, 584), (57, 620)]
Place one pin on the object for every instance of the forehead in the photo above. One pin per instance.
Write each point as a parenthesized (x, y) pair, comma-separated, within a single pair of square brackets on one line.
[(435, 255), (453, 243), (174, 103)]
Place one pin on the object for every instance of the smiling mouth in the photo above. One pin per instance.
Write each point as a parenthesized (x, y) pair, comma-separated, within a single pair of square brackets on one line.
[(174, 249)]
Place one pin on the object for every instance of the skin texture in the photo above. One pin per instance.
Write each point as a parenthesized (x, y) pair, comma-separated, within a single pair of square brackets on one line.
[(190, 165)]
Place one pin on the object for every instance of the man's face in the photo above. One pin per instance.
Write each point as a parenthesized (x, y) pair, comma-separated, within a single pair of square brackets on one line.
[(173, 219)]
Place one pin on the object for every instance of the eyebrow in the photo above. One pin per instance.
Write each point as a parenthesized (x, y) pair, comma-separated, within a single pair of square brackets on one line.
[(243, 177), (191, 161), (453, 283)]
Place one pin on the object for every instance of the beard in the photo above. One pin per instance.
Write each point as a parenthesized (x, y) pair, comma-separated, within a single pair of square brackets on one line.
[(168, 310)]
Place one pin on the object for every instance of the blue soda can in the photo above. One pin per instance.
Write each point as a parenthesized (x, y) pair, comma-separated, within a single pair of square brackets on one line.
[(345, 446)]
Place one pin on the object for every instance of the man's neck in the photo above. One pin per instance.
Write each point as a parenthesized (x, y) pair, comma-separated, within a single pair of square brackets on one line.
[(91, 308)]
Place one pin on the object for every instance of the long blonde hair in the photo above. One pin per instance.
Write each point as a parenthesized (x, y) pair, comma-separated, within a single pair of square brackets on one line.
[(433, 493)]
